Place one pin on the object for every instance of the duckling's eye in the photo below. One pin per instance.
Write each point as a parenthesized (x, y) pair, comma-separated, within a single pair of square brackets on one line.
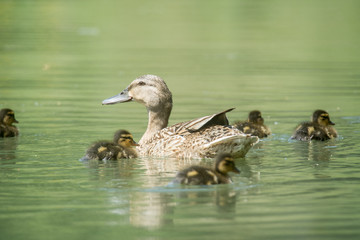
[(126, 137), (141, 83), (10, 114)]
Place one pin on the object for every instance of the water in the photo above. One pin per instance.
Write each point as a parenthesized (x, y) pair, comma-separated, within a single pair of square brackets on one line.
[(60, 59)]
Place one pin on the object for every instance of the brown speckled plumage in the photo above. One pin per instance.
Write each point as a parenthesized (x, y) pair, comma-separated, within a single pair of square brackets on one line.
[(198, 138)]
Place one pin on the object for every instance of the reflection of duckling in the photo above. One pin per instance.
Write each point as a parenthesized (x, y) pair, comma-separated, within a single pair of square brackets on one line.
[(7, 118), (121, 147), (254, 125), (198, 175), (320, 128)]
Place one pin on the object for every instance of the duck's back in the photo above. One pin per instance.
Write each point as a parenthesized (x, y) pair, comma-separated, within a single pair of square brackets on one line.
[(197, 175), (253, 129), (199, 138), (105, 150), (311, 131), (205, 143), (8, 131)]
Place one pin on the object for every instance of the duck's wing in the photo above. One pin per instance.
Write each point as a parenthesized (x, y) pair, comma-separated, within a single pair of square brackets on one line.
[(201, 123)]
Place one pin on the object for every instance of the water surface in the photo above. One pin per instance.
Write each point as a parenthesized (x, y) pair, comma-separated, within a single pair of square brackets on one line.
[(60, 59)]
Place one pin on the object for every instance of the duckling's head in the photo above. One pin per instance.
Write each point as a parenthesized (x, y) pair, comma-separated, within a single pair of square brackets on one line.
[(322, 117), (225, 163), (255, 117), (7, 116), (124, 138), (149, 90)]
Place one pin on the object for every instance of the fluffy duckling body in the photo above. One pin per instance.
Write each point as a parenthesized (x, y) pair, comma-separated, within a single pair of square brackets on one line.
[(198, 175), (7, 118), (319, 128), (254, 125), (198, 138), (121, 147)]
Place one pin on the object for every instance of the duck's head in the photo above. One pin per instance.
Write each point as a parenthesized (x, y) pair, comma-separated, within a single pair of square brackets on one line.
[(7, 116), (255, 117), (322, 117), (124, 138), (149, 90), (225, 163)]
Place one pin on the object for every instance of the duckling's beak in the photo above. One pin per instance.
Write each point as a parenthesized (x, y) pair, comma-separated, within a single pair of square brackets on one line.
[(331, 123), (236, 170), (16, 121), (120, 98), (133, 143)]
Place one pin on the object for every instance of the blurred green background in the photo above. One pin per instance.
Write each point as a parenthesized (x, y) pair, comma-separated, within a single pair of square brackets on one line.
[(59, 59)]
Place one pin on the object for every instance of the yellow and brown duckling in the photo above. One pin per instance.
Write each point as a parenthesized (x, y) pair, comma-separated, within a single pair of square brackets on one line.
[(121, 147), (319, 128), (7, 118), (254, 125), (198, 175)]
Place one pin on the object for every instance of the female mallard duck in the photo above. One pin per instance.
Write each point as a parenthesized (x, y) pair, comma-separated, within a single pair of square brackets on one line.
[(254, 125), (198, 138), (319, 128), (198, 175), (121, 147), (7, 118)]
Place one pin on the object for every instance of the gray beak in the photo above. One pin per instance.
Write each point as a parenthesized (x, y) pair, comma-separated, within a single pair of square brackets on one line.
[(120, 98)]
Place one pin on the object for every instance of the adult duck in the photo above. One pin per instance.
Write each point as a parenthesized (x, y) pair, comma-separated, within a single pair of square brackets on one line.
[(199, 138)]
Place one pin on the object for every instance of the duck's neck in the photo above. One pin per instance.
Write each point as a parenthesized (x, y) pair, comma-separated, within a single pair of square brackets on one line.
[(158, 119)]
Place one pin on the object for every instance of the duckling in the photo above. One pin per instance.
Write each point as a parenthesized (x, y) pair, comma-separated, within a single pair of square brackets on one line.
[(319, 128), (121, 147), (198, 175), (7, 118), (198, 138), (254, 125)]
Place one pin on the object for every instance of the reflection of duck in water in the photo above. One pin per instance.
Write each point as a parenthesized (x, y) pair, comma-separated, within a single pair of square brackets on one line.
[(198, 138), (198, 175), (7, 118), (254, 125), (121, 147), (319, 128)]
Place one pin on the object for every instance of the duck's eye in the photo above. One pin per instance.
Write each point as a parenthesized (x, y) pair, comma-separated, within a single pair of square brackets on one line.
[(228, 163), (141, 83), (126, 138)]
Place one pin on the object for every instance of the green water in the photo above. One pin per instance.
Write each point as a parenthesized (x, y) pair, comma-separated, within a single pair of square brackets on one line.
[(60, 59)]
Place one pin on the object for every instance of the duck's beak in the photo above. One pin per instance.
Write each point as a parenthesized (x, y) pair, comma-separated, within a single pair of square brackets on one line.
[(236, 170), (134, 143), (120, 98), (331, 123)]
